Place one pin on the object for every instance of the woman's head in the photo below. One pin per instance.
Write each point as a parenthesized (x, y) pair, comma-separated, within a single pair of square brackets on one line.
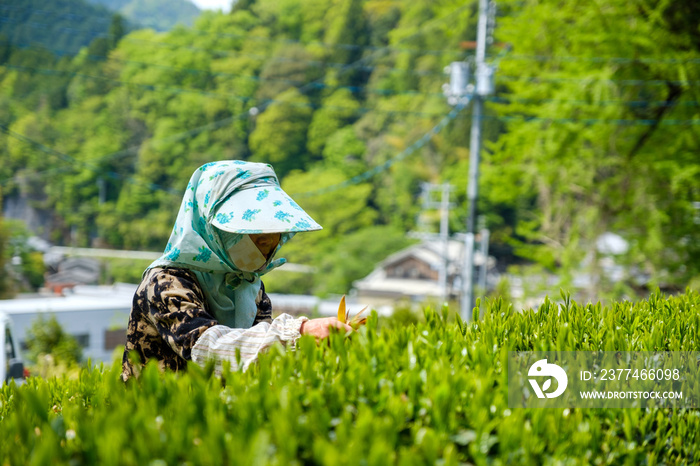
[(233, 219), (226, 202)]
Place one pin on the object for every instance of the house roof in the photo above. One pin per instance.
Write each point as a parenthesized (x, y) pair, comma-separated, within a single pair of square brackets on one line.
[(378, 283), (428, 252)]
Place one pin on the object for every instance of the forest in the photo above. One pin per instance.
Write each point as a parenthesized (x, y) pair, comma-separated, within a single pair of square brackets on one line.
[(160, 15), (593, 128)]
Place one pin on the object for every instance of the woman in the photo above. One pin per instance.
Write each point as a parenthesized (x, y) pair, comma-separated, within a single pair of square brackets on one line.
[(203, 298)]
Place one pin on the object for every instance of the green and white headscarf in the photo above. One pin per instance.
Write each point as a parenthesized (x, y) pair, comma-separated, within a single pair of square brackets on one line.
[(238, 198)]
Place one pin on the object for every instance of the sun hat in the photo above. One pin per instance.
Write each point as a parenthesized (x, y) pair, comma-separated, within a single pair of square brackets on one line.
[(262, 207)]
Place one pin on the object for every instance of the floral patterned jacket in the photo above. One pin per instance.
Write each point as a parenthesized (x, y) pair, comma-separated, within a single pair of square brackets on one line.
[(170, 323)]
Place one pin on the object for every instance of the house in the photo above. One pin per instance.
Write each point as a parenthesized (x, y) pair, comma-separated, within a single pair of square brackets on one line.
[(73, 271), (415, 274)]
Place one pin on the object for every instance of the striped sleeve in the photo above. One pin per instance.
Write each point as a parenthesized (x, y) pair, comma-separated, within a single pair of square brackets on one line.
[(221, 343)]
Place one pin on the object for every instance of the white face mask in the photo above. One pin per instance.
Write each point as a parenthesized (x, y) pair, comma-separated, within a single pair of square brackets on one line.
[(246, 256)]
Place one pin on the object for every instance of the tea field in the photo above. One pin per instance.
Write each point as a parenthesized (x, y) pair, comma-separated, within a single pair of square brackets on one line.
[(430, 393)]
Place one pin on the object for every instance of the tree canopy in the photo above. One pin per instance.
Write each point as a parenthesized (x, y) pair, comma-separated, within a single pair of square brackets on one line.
[(160, 15), (593, 127)]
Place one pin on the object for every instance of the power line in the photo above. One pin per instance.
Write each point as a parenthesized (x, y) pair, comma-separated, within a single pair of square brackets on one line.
[(212, 74), (609, 121), (105, 158), (38, 25), (627, 82), (320, 63), (354, 89), (524, 57), (73, 160), (226, 95), (217, 52), (600, 59), (224, 121), (355, 180), (392, 161), (372, 48), (601, 103), (207, 127)]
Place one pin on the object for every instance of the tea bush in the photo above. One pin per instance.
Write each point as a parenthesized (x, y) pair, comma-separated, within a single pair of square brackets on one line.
[(430, 393)]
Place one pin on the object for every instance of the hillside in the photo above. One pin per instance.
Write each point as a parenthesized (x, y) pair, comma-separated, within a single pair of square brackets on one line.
[(160, 15), (589, 131), (61, 25)]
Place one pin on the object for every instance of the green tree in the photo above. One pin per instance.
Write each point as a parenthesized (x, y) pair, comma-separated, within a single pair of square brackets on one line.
[(593, 127), (4, 241), (599, 134), (341, 211), (28, 263), (290, 67), (345, 151), (338, 109), (156, 14), (347, 30), (47, 337), (279, 137), (60, 28)]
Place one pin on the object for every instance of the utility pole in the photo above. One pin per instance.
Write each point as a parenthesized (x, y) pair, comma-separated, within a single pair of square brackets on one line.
[(444, 205), (484, 87), (484, 245), (444, 237)]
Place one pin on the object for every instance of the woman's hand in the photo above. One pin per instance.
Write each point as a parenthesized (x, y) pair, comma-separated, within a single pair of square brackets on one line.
[(321, 328)]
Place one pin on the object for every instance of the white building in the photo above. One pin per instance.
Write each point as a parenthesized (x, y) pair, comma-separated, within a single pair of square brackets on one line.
[(96, 316), (414, 274)]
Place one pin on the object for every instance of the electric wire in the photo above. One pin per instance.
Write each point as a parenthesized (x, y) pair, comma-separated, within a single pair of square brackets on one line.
[(511, 56), (74, 161), (321, 63), (392, 161), (534, 79), (344, 46), (354, 89), (600, 59), (225, 121), (509, 99), (624, 82), (592, 121), (212, 74), (245, 99)]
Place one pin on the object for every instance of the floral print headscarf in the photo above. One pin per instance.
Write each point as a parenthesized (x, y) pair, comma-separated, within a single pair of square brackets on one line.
[(239, 198)]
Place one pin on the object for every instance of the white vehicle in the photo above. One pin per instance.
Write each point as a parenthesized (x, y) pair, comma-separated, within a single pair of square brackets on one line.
[(11, 364), (96, 316)]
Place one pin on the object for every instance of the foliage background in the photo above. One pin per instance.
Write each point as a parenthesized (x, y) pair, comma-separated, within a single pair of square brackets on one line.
[(593, 128), (157, 14)]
